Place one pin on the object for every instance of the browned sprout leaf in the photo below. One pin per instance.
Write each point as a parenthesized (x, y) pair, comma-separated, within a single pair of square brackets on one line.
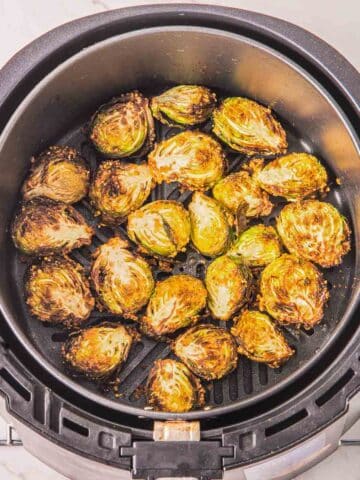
[(175, 303), (123, 127), (44, 227), (256, 247), (59, 173), (260, 340), (57, 291), (184, 105), (171, 387), (240, 191), (229, 286), (160, 228), (293, 291), (119, 188), (210, 229), (208, 351), (315, 231), (98, 352), (192, 158), (248, 127), (294, 176), (123, 281)]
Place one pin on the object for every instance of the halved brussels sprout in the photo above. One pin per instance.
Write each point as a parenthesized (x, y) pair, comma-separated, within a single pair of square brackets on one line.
[(57, 291), (44, 227), (192, 158), (171, 387), (59, 173), (248, 127), (122, 280), (228, 285), (98, 352), (239, 192), (210, 229), (315, 231), (123, 127), (184, 105), (256, 247), (294, 176), (208, 351), (119, 188), (161, 228), (293, 291), (175, 303), (260, 340)]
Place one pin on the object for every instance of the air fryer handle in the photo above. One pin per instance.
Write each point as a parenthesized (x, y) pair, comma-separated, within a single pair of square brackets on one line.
[(173, 459)]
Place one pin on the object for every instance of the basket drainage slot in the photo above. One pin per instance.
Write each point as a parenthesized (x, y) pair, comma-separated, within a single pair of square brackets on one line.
[(288, 422), (75, 427), (329, 394), (15, 384)]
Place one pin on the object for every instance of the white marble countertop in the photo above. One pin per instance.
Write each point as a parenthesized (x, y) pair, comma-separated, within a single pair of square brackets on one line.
[(336, 22)]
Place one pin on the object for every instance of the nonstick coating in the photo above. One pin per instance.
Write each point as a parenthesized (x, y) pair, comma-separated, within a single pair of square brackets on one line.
[(251, 381), (250, 378)]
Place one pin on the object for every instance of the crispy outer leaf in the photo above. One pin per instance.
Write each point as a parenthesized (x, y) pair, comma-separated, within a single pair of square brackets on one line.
[(315, 231)]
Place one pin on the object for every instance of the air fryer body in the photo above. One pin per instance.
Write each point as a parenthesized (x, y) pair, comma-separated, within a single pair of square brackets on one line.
[(48, 93)]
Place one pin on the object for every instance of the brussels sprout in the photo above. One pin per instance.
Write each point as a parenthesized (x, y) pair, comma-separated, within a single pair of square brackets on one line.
[(57, 291), (293, 291), (161, 228), (293, 176), (184, 105), (315, 231), (171, 387), (248, 127), (208, 351), (210, 230), (256, 247), (192, 158), (239, 191), (123, 126), (44, 227), (228, 285), (260, 340), (122, 280), (98, 352), (119, 188), (59, 173), (175, 303)]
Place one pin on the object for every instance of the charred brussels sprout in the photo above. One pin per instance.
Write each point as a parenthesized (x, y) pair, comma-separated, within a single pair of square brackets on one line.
[(98, 352), (57, 291), (161, 228), (123, 126), (175, 303), (59, 173), (210, 230), (119, 188), (44, 227), (315, 231), (228, 285), (293, 291), (248, 127), (122, 280), (239, 192), (208, 351), (192, 158), (293, 176), (184, 105), (256, 247), (171, 387), (260, 340)]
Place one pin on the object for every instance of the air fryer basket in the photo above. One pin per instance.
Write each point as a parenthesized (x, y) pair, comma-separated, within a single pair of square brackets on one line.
[(219, 50)]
